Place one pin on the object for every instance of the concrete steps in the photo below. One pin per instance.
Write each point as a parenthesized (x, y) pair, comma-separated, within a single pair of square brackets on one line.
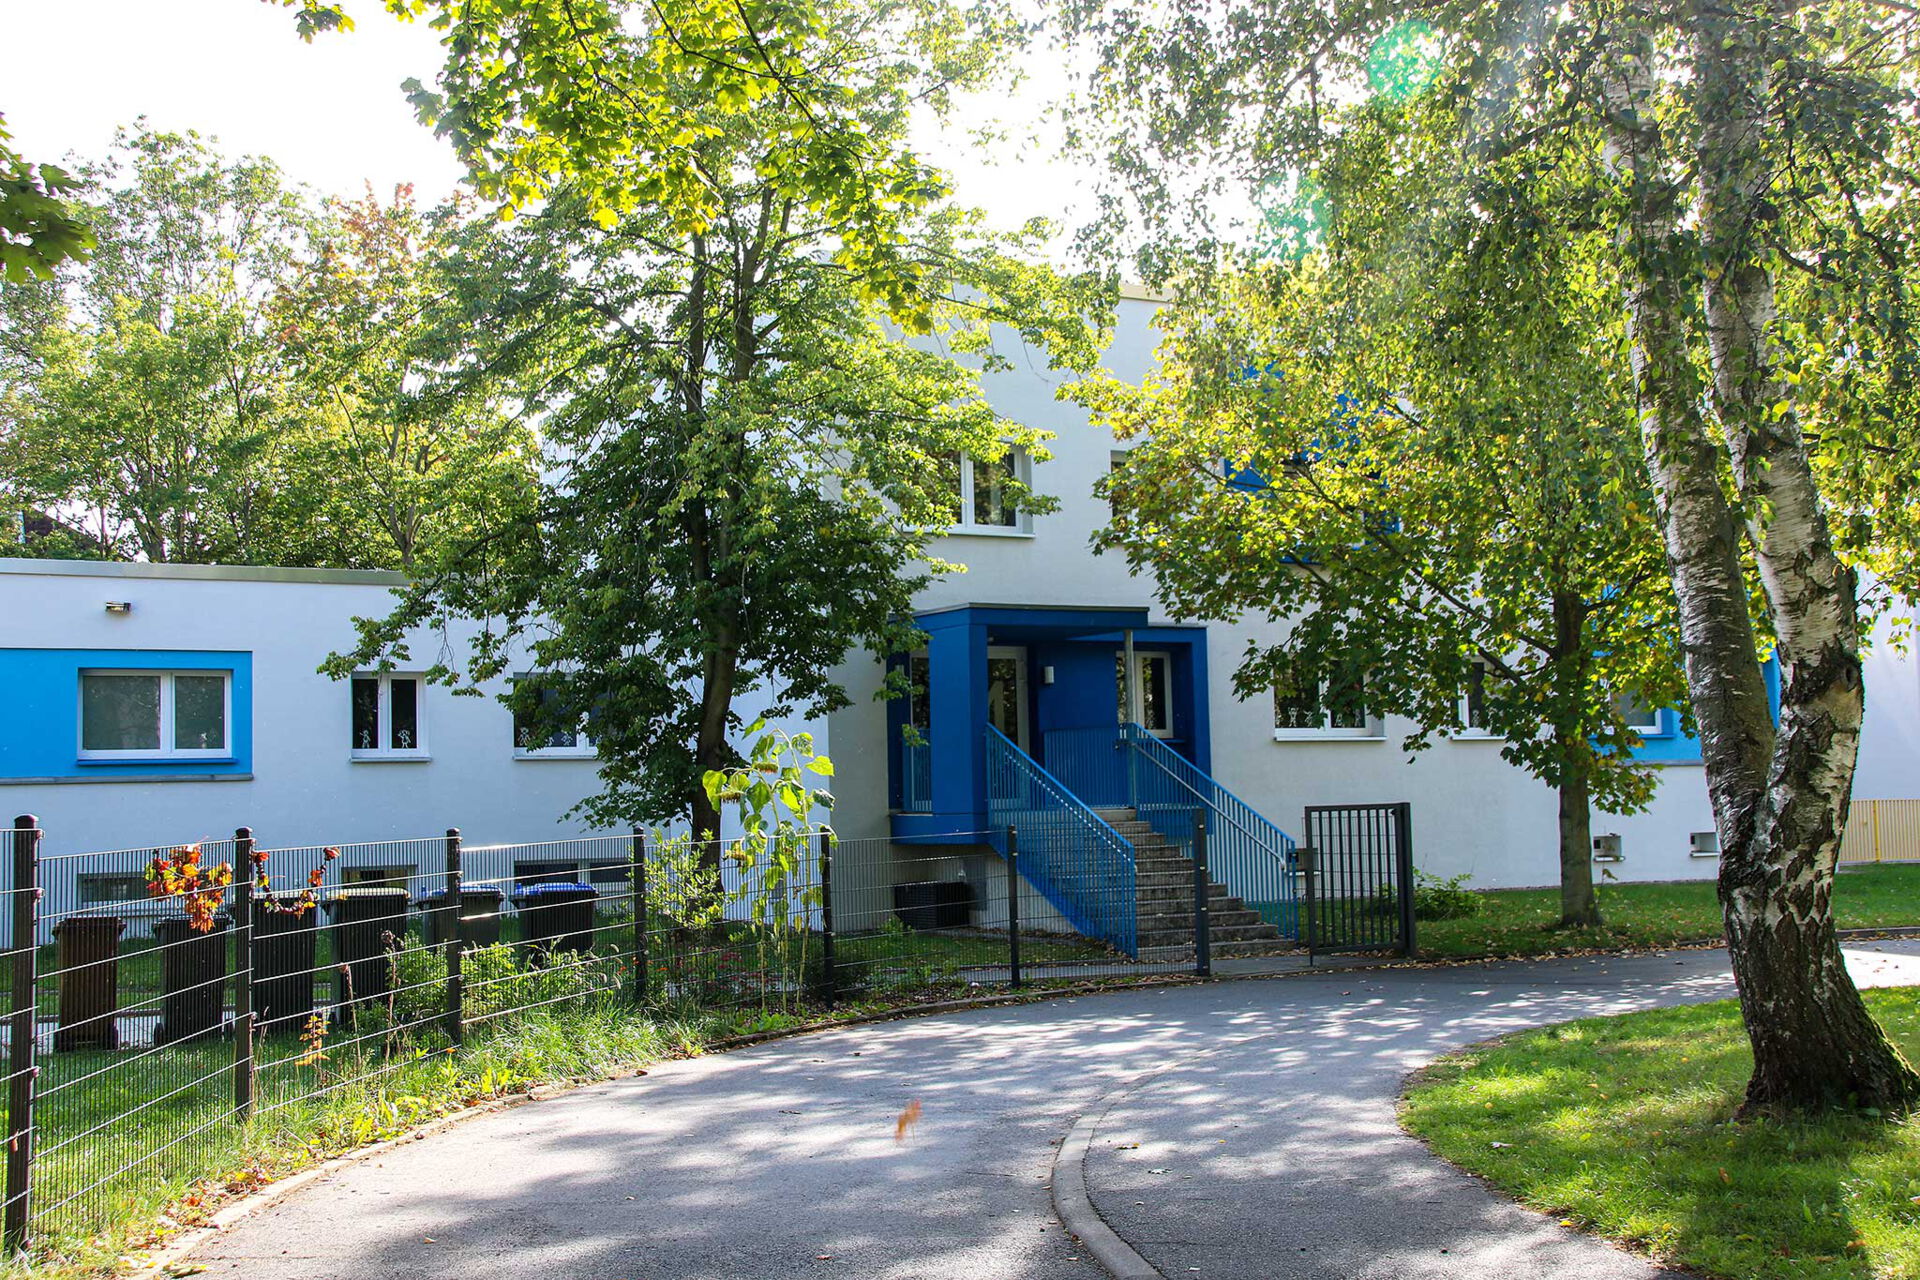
[(1163, 897)]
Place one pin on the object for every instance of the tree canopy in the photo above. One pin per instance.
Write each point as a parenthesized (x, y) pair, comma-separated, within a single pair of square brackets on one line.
[(1412, 449), (747, 456)]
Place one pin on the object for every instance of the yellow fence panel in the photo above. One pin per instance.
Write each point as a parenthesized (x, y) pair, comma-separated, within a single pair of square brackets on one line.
[(1882, 831)]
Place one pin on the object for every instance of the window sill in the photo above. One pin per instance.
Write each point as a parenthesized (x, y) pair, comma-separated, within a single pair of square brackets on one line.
[(389, 757), (1475, 736), (1323, 735), (986, 531), (148, 762), (127, 777), (555, 753)]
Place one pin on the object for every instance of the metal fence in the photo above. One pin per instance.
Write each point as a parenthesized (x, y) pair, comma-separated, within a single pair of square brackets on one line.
[(170, 1002), (1881, 831)]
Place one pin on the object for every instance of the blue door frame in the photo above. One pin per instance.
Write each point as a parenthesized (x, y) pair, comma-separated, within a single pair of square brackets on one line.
[(939, 788)]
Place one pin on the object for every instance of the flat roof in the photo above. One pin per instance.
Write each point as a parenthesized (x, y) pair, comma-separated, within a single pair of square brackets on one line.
[(27, 567)]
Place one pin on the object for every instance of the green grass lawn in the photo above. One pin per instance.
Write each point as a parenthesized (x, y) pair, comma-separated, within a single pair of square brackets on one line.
[(1520, 921), (944, 951), (1622, 1126)]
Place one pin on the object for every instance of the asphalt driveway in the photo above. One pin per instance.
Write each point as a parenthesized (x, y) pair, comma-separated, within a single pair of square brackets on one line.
[(1244, 1129)]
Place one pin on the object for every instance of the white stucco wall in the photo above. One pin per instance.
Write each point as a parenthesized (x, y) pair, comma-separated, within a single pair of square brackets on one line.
[(304, 787)]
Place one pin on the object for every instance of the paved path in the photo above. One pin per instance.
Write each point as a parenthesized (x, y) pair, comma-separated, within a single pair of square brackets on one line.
[(1262, 1110)]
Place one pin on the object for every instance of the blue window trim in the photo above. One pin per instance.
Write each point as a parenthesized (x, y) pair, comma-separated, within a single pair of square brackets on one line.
[(41, 740)]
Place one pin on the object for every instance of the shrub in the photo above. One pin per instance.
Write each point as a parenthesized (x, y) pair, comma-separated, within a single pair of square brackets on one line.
[(1434, 898)]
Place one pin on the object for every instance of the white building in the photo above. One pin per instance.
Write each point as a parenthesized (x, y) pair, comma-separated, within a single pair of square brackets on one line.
[(152, 704)]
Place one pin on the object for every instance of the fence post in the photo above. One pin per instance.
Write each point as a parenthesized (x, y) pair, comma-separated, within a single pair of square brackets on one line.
[(830, 978), (1307, 854), (1202, 901), (1013, 907), (243, 876), (637, 899), (23, 1074), (456, 942), (1403, 821)]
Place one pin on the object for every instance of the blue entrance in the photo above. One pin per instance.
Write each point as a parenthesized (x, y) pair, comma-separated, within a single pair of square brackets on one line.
[(1044, 677)]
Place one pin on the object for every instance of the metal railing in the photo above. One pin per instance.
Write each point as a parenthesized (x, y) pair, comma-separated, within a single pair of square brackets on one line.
[(1126, 767), (1080, 864), (1246, 852), (915, 777)]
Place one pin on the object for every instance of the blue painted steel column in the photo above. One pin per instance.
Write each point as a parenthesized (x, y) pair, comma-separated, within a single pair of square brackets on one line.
[(957, 705)]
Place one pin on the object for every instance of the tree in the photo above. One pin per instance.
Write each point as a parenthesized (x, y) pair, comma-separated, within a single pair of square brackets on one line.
[(594, 96), (1448, 512), (158, 404), (40, 227), (399, 466), (745, 456), (1729, 129)]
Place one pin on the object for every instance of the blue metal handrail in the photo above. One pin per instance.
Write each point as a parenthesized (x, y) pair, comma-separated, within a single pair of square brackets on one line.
[(1246, 852), (1068, 853), (915, 777)]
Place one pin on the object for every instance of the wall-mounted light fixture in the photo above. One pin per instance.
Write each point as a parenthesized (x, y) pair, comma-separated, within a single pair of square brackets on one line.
[(119, 606), (1046, 675)]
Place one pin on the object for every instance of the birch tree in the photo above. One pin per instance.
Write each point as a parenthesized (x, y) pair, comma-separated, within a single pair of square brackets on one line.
[(1729, 129)]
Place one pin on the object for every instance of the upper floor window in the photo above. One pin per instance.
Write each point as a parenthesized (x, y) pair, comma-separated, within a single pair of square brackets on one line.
[(1304, 708), (155, 715), (1154, 671), (388, 717), (986, 492), (539, 732)]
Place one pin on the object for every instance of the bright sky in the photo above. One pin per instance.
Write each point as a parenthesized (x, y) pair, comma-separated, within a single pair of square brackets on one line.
[(331, 113)]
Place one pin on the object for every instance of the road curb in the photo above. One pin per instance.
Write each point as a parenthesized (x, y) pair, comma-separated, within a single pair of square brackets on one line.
[(1075, 1206)]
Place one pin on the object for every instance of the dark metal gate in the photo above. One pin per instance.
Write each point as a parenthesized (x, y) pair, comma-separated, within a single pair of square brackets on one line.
[(1356, 872)]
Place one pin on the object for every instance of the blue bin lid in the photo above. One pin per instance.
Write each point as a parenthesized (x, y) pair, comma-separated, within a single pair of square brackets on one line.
[(466, 891), (532, 890)]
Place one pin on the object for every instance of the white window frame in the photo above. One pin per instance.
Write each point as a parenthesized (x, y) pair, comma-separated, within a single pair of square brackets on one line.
[(1374, 730), (384, 714), (583, 749), (1020, 465), (1140, 657), (1656, 727), (166, 750)]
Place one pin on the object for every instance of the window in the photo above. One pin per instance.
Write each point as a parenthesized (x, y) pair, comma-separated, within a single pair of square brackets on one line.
[(920, 694), (155, 715), (986, 492), (1306, 708), (535, 735), (378, 877), (1640, 715), (113, 888), (1155, 673), (1473, 702), (387, 719)]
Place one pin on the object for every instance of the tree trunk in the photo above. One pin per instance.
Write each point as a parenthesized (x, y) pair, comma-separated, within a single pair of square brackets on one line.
[(1779, 799), (1579, 908), (1814, 1044)]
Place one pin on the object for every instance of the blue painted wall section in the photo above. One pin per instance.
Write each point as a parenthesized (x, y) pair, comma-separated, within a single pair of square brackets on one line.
[(40, 734)]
